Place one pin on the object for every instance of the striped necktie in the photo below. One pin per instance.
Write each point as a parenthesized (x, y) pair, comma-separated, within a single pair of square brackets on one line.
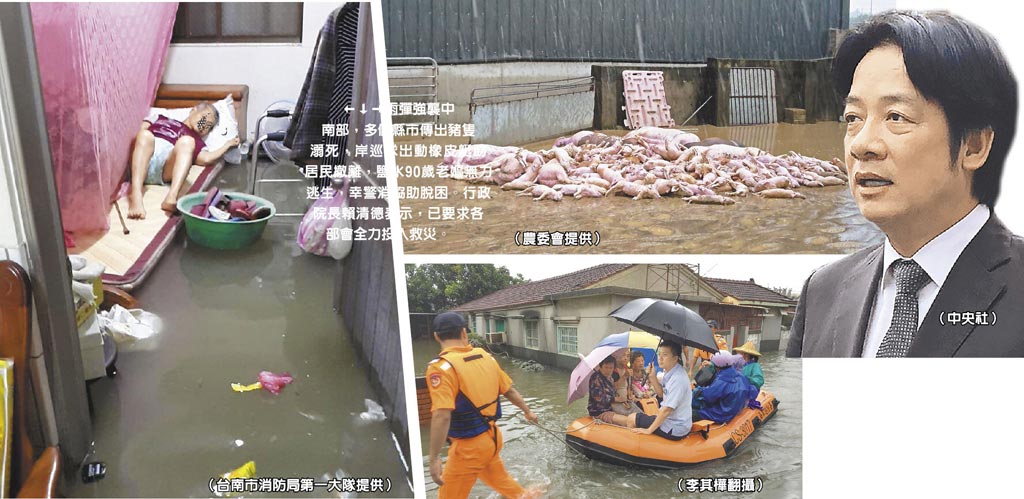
[(910, 278)]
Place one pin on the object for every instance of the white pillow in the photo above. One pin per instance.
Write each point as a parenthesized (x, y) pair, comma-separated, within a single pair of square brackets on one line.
[(226, 129)]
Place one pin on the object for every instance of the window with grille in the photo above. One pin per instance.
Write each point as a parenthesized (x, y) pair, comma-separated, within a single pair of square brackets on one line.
[(499, 325), (238, 22), (566, 339), (532, 338)]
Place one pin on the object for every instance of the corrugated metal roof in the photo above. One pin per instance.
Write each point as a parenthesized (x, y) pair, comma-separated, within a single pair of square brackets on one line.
[(461, 31)]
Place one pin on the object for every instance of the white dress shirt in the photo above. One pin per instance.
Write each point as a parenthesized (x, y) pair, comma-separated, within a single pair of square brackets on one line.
[(936, 258)]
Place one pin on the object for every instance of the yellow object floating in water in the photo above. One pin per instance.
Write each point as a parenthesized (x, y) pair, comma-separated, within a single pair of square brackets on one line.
[(238, 387), (247, 470)]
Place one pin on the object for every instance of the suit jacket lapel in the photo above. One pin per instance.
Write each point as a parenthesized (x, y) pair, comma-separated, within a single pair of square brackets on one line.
[(973, 285), (855, 299)]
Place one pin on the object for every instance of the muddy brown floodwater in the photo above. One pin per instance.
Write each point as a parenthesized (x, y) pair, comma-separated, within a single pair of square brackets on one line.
[(828, 221), (537, 458)]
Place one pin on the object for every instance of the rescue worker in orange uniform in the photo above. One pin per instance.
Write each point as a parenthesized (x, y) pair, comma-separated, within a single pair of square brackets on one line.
[(465, 386)]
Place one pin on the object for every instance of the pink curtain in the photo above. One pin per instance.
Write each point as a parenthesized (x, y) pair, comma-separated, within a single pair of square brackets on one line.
[(100, 65)]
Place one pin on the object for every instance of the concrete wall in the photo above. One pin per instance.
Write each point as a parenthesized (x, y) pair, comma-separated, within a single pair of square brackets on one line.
[(547, 358), (771, 333), (683, 85), (594, 323), (530, 120), (478, 324), (273, 71), (634, 277), (515, 327), (800, 84), (820, 98), (456, 82)]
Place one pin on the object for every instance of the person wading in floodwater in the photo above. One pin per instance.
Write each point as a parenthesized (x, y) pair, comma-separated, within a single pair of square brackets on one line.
[(466, 385)]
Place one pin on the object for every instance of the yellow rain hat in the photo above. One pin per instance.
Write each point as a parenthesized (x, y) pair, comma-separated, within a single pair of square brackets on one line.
[(747, 348)]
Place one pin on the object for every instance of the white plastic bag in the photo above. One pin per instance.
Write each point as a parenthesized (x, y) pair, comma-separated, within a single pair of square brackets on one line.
[(338, 248), (128, 326)]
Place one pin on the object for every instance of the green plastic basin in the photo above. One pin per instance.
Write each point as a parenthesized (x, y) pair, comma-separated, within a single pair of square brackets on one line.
[(223, 235)]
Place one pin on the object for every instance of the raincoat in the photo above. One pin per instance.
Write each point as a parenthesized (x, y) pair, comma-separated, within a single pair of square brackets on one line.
[(754, 374), (726, 396)]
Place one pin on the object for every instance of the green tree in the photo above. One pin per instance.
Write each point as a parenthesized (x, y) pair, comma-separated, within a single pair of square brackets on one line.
[(438, 287)]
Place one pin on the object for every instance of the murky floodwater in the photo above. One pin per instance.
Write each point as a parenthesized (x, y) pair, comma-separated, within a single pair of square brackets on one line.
[(534, 456), (828, 221), (169, 420)]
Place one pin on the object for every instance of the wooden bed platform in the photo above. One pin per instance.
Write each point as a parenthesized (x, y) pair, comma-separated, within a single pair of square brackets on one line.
[(129, 258)]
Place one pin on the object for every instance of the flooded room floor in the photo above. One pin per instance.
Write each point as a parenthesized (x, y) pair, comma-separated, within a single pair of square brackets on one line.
[(169, 422), (828, 221)]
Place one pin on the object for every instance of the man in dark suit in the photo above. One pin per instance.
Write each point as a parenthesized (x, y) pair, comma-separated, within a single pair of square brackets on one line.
[(931, 108)]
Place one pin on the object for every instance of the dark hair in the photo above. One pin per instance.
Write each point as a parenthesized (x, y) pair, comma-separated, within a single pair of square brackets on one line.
[(954, 64), (607, 360), (677, 350), (449, 334), (635, 355)]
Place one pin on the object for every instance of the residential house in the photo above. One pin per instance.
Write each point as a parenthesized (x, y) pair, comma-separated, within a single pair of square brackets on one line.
[(554, 319), (767, 325)]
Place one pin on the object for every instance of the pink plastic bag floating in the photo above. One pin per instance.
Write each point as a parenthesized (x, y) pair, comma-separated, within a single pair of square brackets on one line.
[(273, 383)]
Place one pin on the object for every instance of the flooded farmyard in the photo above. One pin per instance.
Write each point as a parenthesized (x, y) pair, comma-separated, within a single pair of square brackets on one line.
[(827, 221)]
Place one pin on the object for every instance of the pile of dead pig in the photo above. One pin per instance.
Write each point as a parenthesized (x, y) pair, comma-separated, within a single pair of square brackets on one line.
[(648, 162)]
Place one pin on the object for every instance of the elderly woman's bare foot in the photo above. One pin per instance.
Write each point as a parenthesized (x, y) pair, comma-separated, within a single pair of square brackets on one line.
[(171, 207), (136, 210)]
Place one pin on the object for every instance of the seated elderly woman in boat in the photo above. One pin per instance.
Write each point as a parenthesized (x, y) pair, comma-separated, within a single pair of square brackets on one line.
[(639, 385), (623, 395), (727, 395), (751, 367), (603, 396)]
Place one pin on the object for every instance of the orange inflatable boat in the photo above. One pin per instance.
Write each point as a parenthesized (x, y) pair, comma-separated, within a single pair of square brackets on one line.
[(707, 440)]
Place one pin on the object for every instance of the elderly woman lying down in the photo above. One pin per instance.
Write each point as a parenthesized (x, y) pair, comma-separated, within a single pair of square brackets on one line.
[(164, 151)]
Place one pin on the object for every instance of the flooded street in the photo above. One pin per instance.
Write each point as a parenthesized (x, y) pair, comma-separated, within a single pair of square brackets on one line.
[(169, 421), (534, 456), (828, 221)]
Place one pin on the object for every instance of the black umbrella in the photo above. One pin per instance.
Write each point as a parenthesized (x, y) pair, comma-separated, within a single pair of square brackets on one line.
[(668, 320)]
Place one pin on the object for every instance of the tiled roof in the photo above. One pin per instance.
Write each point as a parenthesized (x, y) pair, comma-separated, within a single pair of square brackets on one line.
[(535, 291), (747, 291)]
